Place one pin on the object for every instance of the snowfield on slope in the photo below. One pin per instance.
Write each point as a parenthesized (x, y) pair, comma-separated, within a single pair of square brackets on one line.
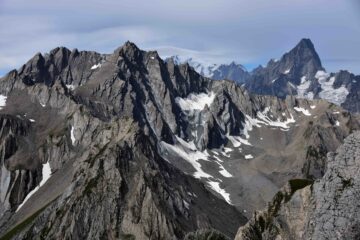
[(96, 66), (216, 187), (328, 92), (195, 101), (2, 101), (188, 152), (302, 110), (302, 89)]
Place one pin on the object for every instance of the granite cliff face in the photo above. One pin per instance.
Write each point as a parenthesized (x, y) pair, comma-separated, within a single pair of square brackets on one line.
[(324, 209), (126, 145)]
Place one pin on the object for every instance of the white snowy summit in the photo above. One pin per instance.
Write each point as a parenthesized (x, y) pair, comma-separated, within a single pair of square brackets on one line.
[(232, 71)]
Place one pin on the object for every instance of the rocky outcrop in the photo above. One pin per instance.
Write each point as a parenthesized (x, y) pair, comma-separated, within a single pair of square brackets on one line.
[(324, 209)]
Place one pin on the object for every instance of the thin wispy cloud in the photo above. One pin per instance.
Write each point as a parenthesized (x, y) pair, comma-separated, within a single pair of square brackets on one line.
[(249, 32)]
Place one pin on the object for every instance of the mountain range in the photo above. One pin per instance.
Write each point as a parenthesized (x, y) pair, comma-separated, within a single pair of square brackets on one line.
[(128, 146), (298, 72)]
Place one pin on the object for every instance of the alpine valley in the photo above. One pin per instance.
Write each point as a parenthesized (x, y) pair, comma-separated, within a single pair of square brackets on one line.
[(129, 146)]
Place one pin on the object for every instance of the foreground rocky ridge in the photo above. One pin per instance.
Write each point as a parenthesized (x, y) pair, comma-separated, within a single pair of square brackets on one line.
[(103, 161), (124, 135), (325, 209)]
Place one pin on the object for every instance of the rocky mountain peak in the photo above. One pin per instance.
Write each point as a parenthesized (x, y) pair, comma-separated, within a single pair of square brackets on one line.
[(306, 43), (302, 59), (37, 60), (60, 57), (60, 51), (129, 50), (282, 77)]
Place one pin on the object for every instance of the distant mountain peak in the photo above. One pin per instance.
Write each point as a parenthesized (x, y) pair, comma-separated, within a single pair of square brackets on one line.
[(232, 71), (304, 53), (129, 49), (306, 42)]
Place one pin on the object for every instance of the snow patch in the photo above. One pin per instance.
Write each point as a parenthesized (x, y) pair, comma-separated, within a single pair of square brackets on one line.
[(227, 150), (73, 139), (224, 172), (186, 204), (216, 187), (337, 123), (303, 110), (216, 153), (70, 86), (264, 119), (237, 141), (225, 154), (249, 156), (189, 153), (312, 106), (2, 101), (46, 174), (287, 71), (96, 66), (218, 159), (195, 101), (31, 120)]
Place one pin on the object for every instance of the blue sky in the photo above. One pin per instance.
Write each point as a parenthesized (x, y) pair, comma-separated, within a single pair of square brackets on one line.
[(215, 31)]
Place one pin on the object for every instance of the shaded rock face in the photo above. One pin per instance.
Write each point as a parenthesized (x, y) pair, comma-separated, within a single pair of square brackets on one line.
[(125, 189), (126, 145), (324, 209), (15, 185)]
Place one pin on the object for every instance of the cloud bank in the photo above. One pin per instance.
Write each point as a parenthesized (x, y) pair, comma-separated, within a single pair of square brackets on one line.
[(219, 31)]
